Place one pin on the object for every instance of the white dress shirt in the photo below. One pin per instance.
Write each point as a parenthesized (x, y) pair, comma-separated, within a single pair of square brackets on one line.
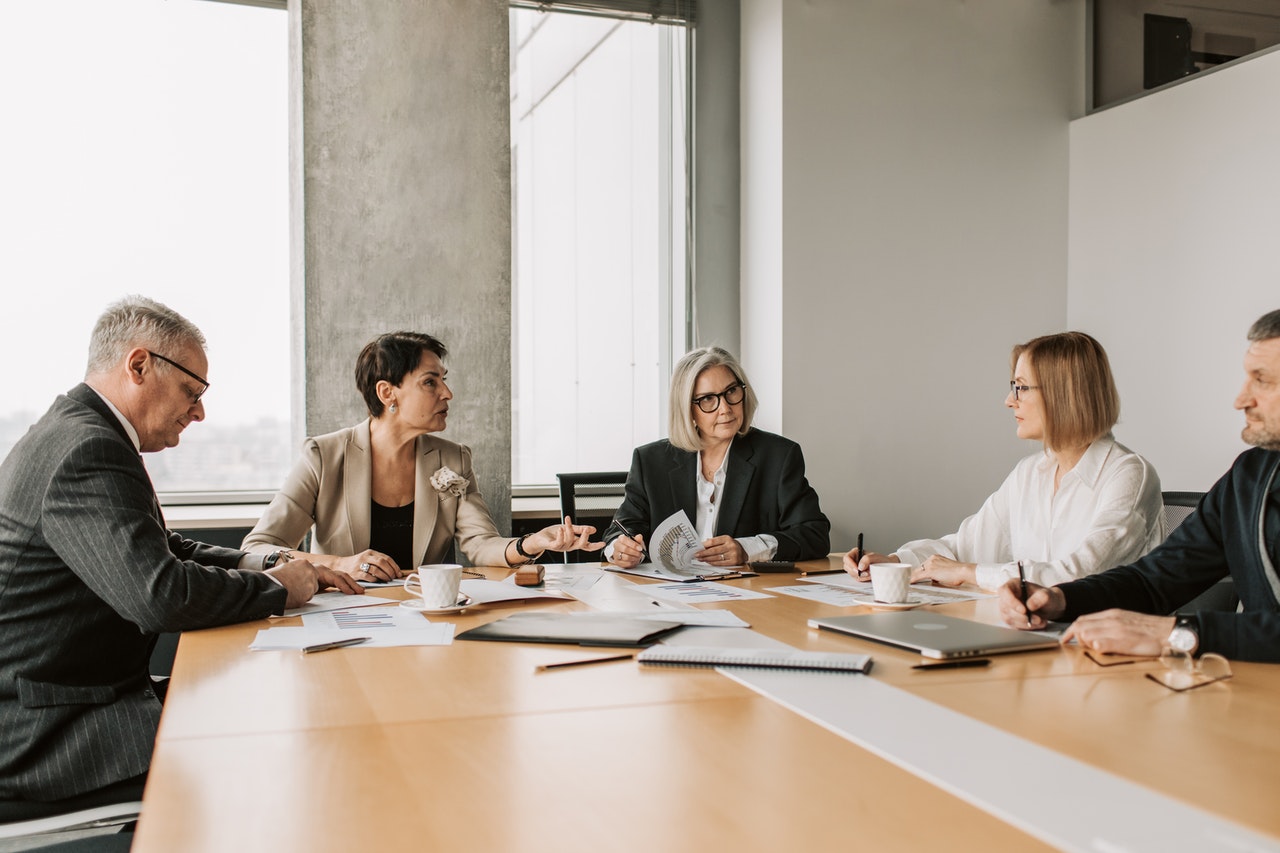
[(710, 496), (1107, 512)]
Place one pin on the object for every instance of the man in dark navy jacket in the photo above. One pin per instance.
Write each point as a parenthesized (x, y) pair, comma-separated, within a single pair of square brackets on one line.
[(89, 574), (1235, 530)]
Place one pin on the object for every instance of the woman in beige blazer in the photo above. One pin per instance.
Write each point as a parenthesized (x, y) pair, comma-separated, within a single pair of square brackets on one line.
[(386, 495)]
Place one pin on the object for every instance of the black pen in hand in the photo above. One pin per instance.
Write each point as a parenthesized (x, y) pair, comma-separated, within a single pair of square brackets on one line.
[(859, 553), (1022, 577), (644, 552)]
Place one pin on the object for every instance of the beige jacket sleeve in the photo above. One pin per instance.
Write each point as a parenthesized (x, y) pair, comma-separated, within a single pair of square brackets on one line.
[(291, 512)]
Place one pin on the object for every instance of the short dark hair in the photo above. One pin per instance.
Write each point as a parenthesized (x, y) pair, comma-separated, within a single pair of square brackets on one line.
[(1266, 327), (1081, 403), (391, 357)]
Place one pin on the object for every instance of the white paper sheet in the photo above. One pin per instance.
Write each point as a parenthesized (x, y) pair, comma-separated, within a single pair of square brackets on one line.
[(701, 618), (927, 592), (567, 577), (384, 626), (488, 592), (823, 594), (323, 601), (700, 593), (617, 594)]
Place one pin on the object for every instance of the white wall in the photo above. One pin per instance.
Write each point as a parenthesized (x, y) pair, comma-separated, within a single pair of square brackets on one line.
[(1175, 216), (905, 185)]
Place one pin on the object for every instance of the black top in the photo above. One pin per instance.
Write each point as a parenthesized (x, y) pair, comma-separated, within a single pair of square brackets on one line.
[(765, 491), (391, 532), (1220, 538)]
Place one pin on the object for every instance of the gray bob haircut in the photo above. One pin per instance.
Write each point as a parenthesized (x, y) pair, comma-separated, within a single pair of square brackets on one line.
[(137, 321), (684, 434), (1266, 327)]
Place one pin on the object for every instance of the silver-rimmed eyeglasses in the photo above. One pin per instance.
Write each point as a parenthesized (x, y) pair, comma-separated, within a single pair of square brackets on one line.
[(1015, 389), (1183, 672)]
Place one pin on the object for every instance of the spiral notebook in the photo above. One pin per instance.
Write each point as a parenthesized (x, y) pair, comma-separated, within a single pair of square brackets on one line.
[(764, 658)]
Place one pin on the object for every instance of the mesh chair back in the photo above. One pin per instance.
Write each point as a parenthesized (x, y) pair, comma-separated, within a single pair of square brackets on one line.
[(1177, 506), (591, 495)]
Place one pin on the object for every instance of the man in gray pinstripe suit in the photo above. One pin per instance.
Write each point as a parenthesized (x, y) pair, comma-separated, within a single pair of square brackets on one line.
[(89, 574)]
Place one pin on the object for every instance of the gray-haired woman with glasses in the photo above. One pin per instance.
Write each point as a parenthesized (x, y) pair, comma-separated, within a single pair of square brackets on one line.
[(744, 489), (1085, 504)]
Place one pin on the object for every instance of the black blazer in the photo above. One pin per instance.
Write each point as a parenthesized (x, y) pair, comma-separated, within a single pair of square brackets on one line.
[(765, 491), (88, 576)]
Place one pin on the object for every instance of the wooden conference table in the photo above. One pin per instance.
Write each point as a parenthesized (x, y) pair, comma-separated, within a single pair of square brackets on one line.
[(465, 747)]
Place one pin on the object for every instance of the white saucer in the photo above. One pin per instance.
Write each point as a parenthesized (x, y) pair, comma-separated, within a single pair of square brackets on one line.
[(911, 603), (464, 601)]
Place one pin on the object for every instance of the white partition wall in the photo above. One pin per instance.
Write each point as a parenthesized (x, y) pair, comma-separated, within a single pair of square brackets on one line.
[(1175, 223), (904, 210)]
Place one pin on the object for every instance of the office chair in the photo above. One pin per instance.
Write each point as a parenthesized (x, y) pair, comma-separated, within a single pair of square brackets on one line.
[(1178, 506), (88, 823), (601, 484)]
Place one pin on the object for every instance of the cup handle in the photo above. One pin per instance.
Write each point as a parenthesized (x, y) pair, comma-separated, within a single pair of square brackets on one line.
[(410, 582)]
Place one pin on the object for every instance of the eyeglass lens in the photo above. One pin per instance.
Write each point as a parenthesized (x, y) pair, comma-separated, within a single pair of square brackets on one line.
[(710, 402), (1183, 672)]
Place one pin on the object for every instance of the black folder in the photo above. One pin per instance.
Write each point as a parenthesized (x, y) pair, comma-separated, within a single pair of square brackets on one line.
[(582, 629)]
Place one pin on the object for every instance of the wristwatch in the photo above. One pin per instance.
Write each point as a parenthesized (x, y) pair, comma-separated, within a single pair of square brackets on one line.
[(1185, 636), (276, 558)]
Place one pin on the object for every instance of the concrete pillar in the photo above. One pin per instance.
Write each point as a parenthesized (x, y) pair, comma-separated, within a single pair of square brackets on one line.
[(401, 207)]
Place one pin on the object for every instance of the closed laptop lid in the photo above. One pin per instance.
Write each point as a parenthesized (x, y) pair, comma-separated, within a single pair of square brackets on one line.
[(935, 635)]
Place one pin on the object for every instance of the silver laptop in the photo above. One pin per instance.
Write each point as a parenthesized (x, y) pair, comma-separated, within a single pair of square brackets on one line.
[(935, 635)]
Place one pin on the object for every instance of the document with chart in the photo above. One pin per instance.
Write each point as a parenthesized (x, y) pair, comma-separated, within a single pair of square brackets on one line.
[(671, 551)]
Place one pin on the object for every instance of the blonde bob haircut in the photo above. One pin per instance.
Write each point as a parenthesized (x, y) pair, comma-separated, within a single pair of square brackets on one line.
[(684, 434), (1081, 403)]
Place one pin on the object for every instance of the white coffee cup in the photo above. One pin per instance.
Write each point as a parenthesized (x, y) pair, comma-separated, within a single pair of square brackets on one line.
[(891, 582), (436, 584)]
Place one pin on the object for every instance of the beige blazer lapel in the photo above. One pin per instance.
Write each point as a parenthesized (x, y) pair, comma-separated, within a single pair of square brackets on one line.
[(426, 500), (357, 477)]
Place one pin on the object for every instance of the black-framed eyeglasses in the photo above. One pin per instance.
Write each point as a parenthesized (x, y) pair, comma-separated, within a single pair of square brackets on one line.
[(732, 395), (1015, 389), (195, 398)]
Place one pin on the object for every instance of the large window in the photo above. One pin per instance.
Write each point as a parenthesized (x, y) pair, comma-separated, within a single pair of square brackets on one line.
[(145, 151), (599, 136)]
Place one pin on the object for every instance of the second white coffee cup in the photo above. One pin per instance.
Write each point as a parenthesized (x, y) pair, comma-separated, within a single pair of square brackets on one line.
[(891, 582), (436, 584)]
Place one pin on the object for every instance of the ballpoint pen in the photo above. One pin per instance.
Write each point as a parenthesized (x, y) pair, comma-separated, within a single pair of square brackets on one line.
[(1022, 576), (336, 644), (583, 662), (643, 550), (859, 549)]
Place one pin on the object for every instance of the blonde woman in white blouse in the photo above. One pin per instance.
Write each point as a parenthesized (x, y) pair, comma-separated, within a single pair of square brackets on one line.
[(1084, 504)]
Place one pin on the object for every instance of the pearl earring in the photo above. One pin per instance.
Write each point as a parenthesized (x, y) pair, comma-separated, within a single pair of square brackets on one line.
[(394, 408)]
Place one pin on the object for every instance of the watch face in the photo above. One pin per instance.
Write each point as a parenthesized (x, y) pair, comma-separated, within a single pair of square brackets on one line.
[(1183, 640)]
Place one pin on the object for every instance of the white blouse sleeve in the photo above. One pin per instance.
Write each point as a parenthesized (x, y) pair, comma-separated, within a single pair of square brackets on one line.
[(1125, 520), (983, 538)]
